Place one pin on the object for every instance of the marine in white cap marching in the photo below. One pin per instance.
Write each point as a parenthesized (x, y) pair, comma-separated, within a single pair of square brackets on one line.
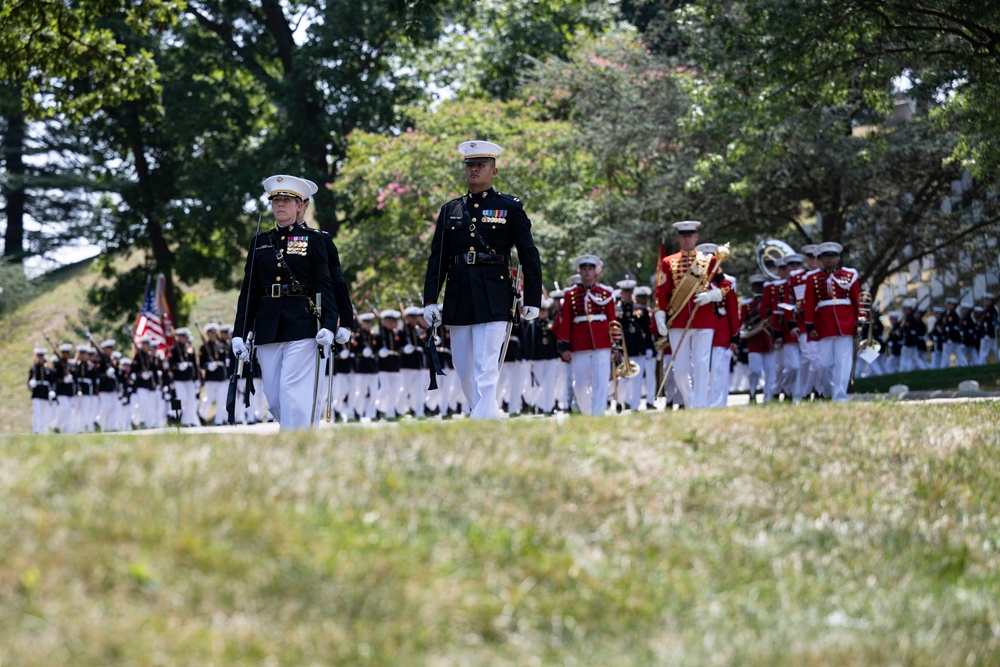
[(471, 259), (687, 286)]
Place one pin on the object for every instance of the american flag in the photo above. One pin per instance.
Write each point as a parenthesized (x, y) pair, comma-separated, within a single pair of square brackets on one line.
[(154, 317)]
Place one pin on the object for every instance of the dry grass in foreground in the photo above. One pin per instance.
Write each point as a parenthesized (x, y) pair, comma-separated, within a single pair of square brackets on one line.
[(817, 536)]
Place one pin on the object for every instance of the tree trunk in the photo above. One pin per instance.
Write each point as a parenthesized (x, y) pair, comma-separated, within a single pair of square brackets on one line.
[(13, 189), (163, 257)]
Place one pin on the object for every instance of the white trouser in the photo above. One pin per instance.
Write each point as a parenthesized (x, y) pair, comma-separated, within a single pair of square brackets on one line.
[(791, 366), (562, 382), (475, 352), (692, 352), (66, 414), (413, 394), (936, 356), (718, 383), (39, 415), (630, 389), (289, 371), (107, 411), (545, 371), (836, 354), (388, 393), (648, 366), (150, 407), (343, 385), (671, 391), (187, 394), (949, 348), (808, 352), (739, 380), (762, 366), (987, 346), (970, 354), (511, 386), (591, 373), (88, 409), (365, 395), (911, 359), (216, 391)]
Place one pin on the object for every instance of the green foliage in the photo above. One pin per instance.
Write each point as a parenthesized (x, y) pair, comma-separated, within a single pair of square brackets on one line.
[(67, 57), (15, 288), (628, 108), (781, 57), (393, 188)]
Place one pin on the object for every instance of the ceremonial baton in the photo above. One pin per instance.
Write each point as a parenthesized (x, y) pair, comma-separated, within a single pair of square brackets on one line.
[(513, 315), (319, 353)]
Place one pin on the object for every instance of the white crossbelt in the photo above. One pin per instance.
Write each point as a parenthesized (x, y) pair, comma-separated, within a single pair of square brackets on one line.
[(833, 302), (590, 318)]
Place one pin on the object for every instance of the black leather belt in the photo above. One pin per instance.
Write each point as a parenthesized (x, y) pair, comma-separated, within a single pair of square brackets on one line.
[(478, 258), (278, 290)]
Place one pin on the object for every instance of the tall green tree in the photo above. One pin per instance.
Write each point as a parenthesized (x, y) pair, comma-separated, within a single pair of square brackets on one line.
[(329, 67), (46, 48), (782, 55)]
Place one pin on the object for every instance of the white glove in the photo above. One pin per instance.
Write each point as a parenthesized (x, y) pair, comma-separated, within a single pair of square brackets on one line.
[(240, 349), (432, 314), (713, 295), (367, 353), (529, 313), (183, 366), (343, 335), (52, 395), (324, 337), (345, 354), (408, 349), (383, 353), (110, 372), (661, 322), (649, 354), (147, 374), (212, 365), (67, 378), (32, 383)]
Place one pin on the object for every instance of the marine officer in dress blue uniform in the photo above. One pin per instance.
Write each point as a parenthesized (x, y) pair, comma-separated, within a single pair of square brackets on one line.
[(285, 269), (470, 257)]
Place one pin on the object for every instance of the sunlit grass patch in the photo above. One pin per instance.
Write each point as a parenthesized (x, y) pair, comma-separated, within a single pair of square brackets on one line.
[(818, 535)]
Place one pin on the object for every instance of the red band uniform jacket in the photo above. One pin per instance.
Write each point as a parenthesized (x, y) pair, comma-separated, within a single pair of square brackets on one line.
[(586, 316), (673, 268), (831, 305)]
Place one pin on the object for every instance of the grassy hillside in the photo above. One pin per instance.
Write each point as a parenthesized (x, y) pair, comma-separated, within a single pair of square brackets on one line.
[(57, 311), (848, 535)]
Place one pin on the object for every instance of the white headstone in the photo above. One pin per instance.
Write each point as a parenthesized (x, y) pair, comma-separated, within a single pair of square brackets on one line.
[(968, 385), (897, 389)]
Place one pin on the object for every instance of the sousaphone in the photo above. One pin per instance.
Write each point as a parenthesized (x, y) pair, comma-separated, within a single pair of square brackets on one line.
[(768, 252)]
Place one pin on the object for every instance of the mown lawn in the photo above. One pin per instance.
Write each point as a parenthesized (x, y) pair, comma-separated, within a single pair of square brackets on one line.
[(819, 535)]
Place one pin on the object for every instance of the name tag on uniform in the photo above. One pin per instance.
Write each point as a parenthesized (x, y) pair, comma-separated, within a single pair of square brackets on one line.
[(298, 245)]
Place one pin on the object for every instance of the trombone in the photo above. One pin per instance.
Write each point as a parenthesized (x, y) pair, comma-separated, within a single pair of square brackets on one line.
[(627, 368)]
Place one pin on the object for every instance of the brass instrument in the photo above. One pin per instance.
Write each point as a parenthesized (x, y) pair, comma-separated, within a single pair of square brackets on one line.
[(754, 324), (627, 368), (865, 317), (770, 250)]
